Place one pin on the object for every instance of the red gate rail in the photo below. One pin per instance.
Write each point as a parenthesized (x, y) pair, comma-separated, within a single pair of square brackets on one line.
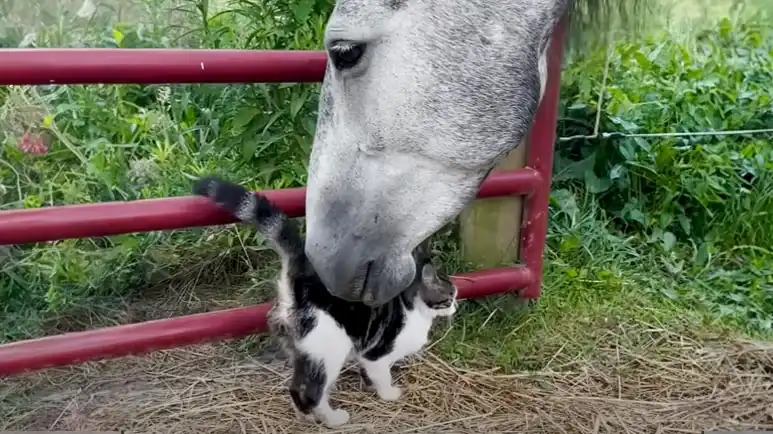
[(147, 336), (157, 66), (114, 218), (113, 66)]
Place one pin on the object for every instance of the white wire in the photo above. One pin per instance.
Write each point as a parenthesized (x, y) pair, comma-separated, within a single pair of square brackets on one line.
[(682, 134)]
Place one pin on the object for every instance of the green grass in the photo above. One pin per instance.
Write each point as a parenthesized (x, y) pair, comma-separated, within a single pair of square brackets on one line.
[(609, 281), (666, 231)]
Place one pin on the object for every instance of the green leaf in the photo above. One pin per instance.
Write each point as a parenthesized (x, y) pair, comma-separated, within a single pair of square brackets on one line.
[(666, 218), (684, 222), (643, 60), (296, 104), (669, 240), (248, 149), (637, 216), (670, 293), (302, 9), (569, 243), (244, 117), (627, 150), (595, 184), (616, 172), (117, 37)]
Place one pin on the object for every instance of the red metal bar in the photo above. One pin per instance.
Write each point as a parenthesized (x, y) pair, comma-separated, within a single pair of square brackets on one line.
[(539, 157), (113, 218), (509, 182), (71, 348), (40, 66)]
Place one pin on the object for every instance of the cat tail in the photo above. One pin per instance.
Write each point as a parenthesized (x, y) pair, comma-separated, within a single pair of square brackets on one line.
[(253, 208)]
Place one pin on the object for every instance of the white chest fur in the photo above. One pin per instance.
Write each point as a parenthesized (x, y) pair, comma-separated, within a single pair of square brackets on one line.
[(413, 336)]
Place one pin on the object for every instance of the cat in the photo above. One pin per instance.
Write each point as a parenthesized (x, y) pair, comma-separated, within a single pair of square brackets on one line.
[(320, 332)]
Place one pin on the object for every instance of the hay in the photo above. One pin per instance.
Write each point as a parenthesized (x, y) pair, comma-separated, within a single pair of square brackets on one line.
[(662, 383)]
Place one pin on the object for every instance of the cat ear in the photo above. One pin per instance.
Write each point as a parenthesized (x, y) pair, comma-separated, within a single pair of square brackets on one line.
[(428, 274), (423, 252)]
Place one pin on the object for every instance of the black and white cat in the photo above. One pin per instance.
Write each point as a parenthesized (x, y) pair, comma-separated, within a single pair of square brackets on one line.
[(320, 332)]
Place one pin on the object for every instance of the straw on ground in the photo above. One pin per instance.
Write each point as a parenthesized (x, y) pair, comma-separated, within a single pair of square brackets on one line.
[(645, 380)]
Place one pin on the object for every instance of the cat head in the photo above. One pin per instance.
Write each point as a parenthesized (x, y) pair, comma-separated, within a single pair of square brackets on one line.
[(437, 291)]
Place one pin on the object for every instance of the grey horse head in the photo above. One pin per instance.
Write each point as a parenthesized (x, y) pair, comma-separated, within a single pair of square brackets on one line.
[(420, 100)]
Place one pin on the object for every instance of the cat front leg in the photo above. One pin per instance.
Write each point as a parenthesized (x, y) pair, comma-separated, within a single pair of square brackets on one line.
[(380, 375)]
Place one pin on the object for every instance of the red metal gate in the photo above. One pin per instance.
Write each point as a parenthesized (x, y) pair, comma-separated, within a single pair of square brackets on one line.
[(114, 66)]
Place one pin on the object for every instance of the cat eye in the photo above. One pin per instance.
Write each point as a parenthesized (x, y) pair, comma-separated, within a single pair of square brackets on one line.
[(346, 55)]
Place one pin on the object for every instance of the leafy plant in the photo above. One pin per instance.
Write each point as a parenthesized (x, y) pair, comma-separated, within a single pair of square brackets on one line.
[(671, 164), (676, 185)]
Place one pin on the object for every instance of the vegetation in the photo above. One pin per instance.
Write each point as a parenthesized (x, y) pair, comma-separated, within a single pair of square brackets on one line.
[(666, 229)]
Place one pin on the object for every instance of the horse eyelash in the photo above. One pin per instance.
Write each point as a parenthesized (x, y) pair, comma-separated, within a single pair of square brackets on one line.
[(342, 48)]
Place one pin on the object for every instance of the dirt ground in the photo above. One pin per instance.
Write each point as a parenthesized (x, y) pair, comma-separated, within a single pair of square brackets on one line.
[(665, 383)]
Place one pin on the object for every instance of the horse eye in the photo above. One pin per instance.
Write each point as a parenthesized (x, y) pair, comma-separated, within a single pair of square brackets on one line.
[(346, 56)]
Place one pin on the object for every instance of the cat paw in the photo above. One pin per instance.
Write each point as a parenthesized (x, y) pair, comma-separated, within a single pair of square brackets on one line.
[(336, 418), (391, 393)]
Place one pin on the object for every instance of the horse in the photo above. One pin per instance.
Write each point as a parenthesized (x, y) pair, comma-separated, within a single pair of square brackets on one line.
[(420, 101)]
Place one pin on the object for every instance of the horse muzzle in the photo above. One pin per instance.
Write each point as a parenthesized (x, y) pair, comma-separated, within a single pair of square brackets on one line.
[(351, 274)]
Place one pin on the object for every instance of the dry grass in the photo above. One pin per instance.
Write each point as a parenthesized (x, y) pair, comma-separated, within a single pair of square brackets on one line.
[(658, 382)]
